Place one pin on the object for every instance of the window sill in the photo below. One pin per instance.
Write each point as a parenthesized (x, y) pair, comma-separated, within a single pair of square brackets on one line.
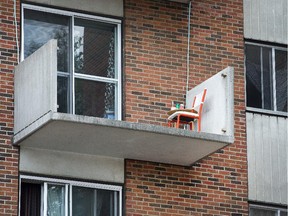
[(266, 112)]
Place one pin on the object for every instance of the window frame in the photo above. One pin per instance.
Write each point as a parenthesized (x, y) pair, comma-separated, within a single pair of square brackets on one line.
[(264, 207), (68, 191), (117, 81), (262, 110)]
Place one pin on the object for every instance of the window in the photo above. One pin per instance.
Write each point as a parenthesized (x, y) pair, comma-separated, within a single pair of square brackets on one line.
[(88, 58), (52, 197), (257, 210), (266, 77)]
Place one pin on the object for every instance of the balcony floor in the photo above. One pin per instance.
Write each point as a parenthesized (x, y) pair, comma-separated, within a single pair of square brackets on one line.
[(119, 139)]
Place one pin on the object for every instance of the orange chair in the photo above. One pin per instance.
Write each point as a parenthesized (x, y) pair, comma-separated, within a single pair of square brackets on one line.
[(189, 116)]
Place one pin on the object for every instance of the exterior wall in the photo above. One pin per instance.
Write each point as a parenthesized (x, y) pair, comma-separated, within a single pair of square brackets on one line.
[(155, 75), (155, 50), (267, 158), (8, 153), (266, 20)]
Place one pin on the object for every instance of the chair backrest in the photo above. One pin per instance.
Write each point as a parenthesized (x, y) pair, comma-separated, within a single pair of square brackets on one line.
[(199, 101)]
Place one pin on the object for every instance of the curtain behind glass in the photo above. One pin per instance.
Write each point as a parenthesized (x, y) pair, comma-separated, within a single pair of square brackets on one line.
[(30, 199), (56, 200)]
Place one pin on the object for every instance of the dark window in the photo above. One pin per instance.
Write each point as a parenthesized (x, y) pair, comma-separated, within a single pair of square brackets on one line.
[(266, 77)]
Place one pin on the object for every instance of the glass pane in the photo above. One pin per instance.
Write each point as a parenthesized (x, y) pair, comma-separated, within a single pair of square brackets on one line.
[(94, 98), (40, 27), (94, 48), (262, 212), (93, 202), (56, 200), (267, 78), (62, 94), (253, 76), (83, 201), (282, 213), (106, 203), (281, 80)]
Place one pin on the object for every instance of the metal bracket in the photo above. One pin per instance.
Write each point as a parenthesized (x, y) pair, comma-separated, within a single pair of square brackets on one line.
[(224, 74)]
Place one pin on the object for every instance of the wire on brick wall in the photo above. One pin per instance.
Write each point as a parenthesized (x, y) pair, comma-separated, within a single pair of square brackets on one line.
[(188, 48), (16, 30)]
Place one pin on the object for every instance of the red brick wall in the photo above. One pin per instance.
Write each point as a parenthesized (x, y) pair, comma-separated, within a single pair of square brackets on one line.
[(155, 74), (8, 153)]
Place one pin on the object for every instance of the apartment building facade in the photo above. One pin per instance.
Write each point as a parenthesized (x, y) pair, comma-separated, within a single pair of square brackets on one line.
[(84, 108)]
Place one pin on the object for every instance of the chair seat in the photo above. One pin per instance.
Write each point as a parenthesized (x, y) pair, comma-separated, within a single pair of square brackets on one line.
[(184, 116)]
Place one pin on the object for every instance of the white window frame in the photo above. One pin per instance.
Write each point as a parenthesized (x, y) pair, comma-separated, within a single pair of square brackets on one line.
[(263, 207), (262, 110), (68, 189), (118, 57)]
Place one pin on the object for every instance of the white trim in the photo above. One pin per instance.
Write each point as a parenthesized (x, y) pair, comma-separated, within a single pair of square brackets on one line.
[(72, 182), (118, 66), (22, 35), (274, 80), (45, 200), (266, 112), (66, 199), (95, 78), (278, 209), (262, 79), (265, 45), (72, 69)]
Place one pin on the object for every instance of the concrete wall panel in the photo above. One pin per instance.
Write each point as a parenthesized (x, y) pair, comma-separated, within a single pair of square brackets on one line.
[(266, 20), (35, 86), (267, 158), (73, 165), (105, 7)]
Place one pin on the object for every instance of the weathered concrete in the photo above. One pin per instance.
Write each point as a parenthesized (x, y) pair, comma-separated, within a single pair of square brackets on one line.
[(36, 86), (97, 136), (105, 7), (266, 20), (72, 165)]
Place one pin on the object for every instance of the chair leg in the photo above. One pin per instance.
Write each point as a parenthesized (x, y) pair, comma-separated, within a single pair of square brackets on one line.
[(191, 125), (199, 125), (178, 122)]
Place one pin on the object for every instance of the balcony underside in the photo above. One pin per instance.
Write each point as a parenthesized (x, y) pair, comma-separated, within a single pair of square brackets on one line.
[(97, 136)]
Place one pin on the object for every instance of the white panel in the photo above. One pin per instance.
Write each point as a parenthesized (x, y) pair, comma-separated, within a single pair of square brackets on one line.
[(267, 158), (218, 109), (36, 86), (73, 165)]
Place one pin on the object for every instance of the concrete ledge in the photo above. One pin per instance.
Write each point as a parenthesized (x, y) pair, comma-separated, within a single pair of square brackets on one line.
[(110, 138)]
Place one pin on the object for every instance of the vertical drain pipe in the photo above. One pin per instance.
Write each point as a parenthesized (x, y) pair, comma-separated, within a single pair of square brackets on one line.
[(188, 49)]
